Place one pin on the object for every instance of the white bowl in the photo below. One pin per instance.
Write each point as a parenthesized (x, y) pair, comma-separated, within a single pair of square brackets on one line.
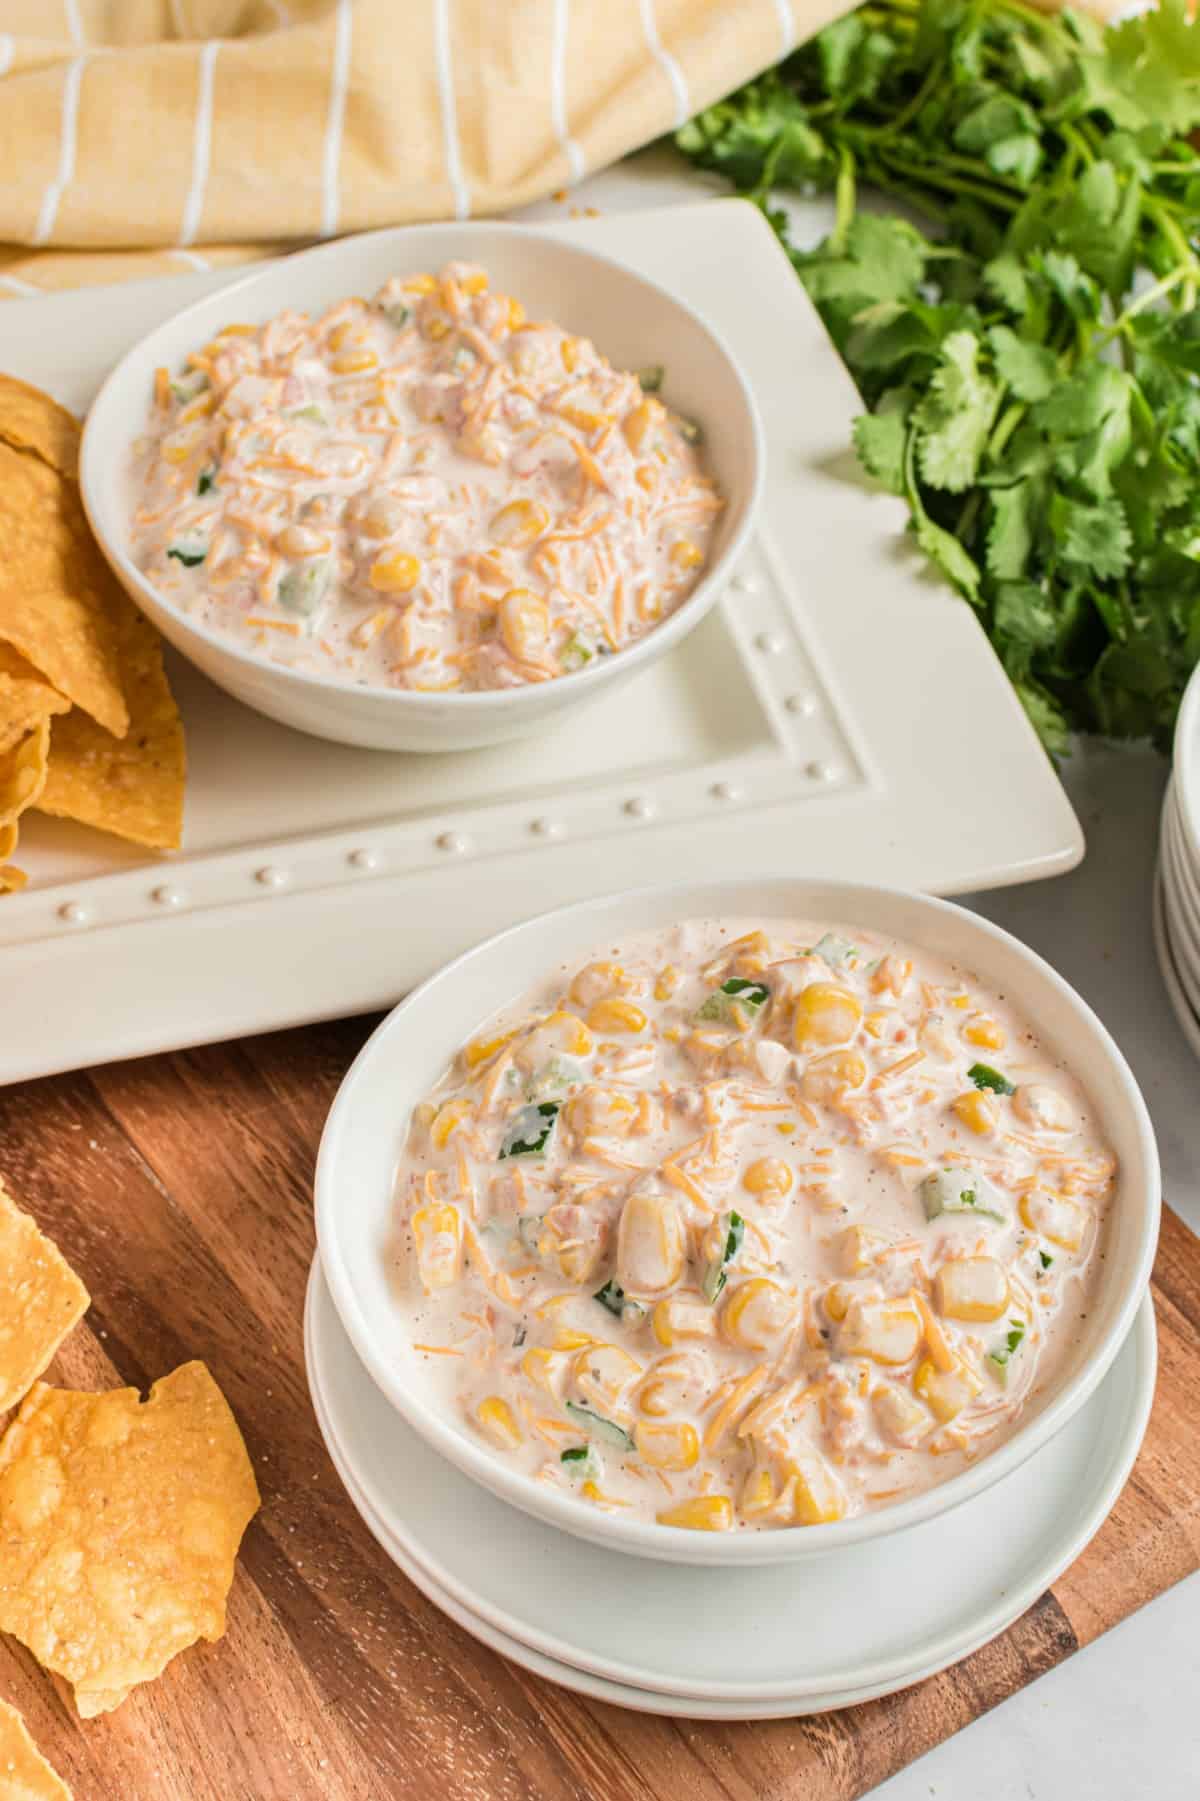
[(631, 320), (361, 1144)]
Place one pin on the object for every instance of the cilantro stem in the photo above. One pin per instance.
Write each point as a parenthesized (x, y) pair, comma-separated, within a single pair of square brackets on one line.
[(1182, 248), (928, 176), (1146, 299), (1004, 429), (846, 200), (909, 111)]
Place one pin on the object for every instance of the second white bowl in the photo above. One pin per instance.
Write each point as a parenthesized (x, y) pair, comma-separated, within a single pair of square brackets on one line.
[(398, 1065), (631, 320)]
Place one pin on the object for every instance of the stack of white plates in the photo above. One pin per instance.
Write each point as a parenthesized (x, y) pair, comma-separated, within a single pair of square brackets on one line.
[(1177, 885), (733, 1643)]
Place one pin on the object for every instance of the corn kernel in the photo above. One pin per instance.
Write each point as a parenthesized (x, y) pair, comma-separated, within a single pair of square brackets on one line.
[(703, 1513), (569, 351), (837, 1299), (640, 422), (976, 1112), (396, 572), (817, 1496), (680, 1316), (516, 315), (758, 1494), (667, 1447), (666, 982), (524, 622), (616, 1016), (475, 283), (756, 1313), (650, 1245), (560, 1034), (569, 1338), (837, 1073), (496, 1418), (520, 522), (899, 1416), (685, 554), (825, 1014), (858, 1246), (544, 1368), (945, 1392), (768, 1177), (437, 1238), (420, 284), (436, 328), (481, 1050), (885, 1331), (602, 1373), (1054, 1216), (971, 1288), (668, 1386), (985, 1032), (354, 362), (891, 975), (199, 408), (450, 1116)]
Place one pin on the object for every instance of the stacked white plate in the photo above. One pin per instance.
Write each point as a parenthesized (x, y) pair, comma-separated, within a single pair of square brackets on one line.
[(1177, 884), (749, 1643)]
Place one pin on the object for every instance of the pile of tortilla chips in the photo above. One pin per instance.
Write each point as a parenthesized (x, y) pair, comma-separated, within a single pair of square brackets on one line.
[(120, 1519), (89, 728)]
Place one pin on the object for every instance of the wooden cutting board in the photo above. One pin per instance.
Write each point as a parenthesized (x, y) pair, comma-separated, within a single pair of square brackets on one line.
[(179, 1186)]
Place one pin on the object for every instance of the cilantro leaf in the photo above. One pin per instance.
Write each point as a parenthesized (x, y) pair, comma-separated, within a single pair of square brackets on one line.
[(879, 439), (1010, 536), (1029, 369), (1093, 539), (955, 418)]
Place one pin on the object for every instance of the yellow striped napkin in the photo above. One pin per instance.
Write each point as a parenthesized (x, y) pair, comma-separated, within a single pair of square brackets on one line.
[(143, 136)]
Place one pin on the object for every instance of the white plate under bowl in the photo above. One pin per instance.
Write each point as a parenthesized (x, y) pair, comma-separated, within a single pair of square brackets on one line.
[(1189, 1021), (363, 1138), (821, 1634), (1179, 911), (1185, 881), (632, 320)]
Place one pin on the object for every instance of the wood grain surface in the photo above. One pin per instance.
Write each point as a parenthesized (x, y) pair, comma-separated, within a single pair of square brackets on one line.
[(179, 1187)]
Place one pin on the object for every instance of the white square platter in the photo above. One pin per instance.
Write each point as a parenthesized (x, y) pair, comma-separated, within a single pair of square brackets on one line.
[(841, 713)]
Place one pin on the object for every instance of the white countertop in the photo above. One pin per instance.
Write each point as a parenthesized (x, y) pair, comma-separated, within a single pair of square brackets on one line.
[(1119, 1721)]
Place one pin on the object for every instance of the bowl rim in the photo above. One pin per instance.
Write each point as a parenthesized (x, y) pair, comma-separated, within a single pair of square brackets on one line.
[(677, 1543), (95, 450)]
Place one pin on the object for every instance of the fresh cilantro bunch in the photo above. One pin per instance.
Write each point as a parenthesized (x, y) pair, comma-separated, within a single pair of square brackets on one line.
[(1031, 361)]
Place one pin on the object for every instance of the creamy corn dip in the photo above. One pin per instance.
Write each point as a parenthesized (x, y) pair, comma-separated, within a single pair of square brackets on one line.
[(425, 490), (737, 1226)]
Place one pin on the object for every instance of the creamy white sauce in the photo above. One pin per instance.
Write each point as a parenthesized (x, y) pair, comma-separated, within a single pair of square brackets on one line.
[(852, 1350), (423, 491)]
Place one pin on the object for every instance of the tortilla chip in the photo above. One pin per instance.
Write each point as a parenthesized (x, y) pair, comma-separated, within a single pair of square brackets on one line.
[(55, 586), (41, 1300), (119, 1526), (92, 1701), (134, 785), (26, 698), (11, 878), (23, 773), (30, 420), (24, 1773)]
